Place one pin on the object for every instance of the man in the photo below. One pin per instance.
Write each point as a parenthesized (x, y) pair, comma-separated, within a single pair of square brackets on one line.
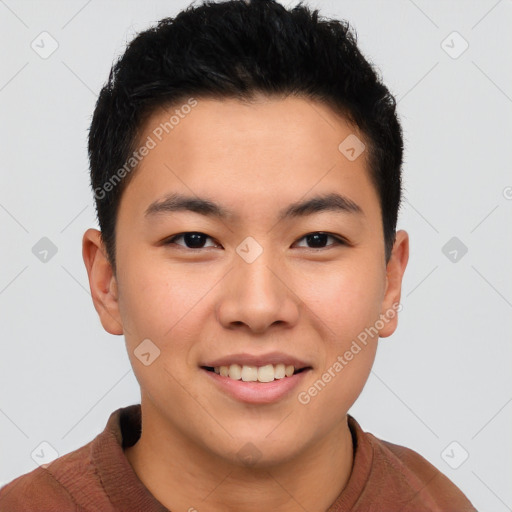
[(246, 165)]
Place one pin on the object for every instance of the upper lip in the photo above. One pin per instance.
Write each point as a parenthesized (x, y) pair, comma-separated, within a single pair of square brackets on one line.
[(257, 360)]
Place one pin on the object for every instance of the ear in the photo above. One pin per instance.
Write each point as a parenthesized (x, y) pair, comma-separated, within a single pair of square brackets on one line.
[(102, 281), (394, 273)]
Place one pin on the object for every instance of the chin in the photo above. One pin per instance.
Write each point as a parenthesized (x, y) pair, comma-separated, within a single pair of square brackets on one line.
[(262, 452)]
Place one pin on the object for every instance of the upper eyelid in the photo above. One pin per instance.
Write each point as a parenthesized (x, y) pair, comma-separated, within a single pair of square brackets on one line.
[(179, 235), (339, 239)]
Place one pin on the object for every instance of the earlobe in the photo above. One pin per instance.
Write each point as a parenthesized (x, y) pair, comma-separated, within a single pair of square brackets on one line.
[(102, 282), (394, 274)]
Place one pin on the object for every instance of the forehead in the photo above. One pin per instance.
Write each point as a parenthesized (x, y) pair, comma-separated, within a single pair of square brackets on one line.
[(244, 154)]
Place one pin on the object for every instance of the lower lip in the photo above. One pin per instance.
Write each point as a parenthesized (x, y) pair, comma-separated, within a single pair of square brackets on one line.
[(257, 392)]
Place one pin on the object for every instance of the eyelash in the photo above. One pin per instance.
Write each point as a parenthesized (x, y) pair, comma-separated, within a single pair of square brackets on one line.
[(338, 240)]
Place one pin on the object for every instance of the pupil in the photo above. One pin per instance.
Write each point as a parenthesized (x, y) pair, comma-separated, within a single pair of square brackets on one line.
[(314, 239), (194, 240)]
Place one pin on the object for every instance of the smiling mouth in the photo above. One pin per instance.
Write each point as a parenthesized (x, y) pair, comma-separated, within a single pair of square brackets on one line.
[(248, 373)]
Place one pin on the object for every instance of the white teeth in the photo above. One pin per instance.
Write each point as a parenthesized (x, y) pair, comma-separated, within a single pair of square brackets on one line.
[(266, 373), (249, 373), (235, 372), (279, 371)]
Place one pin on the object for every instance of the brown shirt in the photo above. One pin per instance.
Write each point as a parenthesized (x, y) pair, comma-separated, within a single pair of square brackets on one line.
[(98, 477)]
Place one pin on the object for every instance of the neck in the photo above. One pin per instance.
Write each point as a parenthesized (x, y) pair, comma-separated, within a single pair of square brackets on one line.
[(184, 476)]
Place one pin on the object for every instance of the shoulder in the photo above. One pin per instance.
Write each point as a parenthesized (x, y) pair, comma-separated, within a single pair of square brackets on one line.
[(37, 490), (423, 484), (69, 483)]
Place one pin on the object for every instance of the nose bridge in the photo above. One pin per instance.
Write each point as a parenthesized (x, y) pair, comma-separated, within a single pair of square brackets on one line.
[(258, 278), (255, 293)]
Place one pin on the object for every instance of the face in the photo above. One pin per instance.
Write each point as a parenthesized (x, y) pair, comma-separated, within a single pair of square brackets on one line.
[(279, 258)]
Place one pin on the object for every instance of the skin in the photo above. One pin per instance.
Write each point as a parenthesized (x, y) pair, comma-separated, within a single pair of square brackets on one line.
[(200, 304)]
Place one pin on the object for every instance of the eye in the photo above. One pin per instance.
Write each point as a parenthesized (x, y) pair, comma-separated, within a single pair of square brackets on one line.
[(196, 240), (193, 240), (318, 239)]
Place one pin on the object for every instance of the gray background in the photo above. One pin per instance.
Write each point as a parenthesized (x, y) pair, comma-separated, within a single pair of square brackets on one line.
[(444, 376)]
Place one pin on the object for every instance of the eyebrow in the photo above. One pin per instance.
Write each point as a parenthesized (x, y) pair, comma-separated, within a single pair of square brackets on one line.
[(203, 206)]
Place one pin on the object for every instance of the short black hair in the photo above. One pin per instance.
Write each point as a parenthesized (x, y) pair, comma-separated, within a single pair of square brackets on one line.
[(237, 49)]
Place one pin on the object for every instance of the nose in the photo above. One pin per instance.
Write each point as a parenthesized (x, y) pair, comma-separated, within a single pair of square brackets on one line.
[(257, 296)]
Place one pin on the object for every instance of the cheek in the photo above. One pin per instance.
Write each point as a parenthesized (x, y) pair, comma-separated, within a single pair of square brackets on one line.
[(156, 298), (346, 299), (159, 304), (346, 304)]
